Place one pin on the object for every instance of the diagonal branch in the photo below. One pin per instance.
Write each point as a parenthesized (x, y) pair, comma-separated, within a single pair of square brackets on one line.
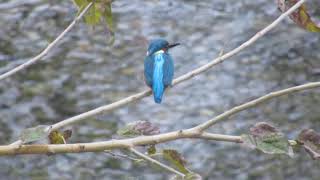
[(197, 131), (47, 49), (127, 100), (121, 155), (254, 103), (147, 158)]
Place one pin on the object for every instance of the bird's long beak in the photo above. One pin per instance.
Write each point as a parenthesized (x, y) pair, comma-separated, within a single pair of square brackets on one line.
[(173, 45)]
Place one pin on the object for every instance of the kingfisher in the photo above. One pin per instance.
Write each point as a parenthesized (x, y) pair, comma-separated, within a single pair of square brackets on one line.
[(159, 67)]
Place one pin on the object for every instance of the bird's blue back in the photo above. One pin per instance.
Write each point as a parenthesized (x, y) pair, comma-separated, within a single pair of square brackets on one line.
[(158, 72)]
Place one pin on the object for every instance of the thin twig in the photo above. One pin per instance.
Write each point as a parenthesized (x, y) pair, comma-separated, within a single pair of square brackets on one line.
[(47, 49), (254, 103), (121, 155), (120, 103), (220, 137), (147, 158), (239, 48)]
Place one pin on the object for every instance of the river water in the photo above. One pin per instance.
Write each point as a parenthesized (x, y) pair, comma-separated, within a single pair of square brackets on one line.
[(85, 72)]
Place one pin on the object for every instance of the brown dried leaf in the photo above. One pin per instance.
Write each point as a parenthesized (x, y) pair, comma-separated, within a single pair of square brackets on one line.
[(267, 139), (310, 140), (176, 159), (300, 16), (139, 128), (262, 129), (67, 134)]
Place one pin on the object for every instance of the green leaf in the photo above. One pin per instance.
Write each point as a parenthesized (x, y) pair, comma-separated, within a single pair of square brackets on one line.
[(138, 128), (310, 140), (34, 134), (300, 16), (175, 158), (101, 9), (267, 139), (55, 137), (93, 16)]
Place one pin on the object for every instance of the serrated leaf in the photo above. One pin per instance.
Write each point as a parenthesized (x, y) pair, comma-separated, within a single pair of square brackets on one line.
[(34, 134), (189, 176), (300, 16), (267, 139), (311, 142), (139, 128), (55, 137), (151, 149), (175, 158)]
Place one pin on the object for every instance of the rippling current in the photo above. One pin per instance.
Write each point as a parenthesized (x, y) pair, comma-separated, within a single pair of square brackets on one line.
[(84, 72)]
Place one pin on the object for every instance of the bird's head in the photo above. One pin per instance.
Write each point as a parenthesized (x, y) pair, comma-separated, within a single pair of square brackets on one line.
[(158, 45)]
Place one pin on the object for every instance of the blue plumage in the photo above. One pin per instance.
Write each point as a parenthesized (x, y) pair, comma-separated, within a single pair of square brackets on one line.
[(158, 67)]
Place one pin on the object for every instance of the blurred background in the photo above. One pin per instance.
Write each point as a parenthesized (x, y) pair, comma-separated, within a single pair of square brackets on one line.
[(84, 72)]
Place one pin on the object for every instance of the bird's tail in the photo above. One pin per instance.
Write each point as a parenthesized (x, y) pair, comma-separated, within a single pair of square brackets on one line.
[(158, 97), (157, 84), (158, 90)]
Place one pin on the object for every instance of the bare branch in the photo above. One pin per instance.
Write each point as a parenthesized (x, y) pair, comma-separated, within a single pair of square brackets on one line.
[(118, 144), (197, 131), (102, 109), (112, 144), (47, 49), (147, 158), (127, 100), (254, 103), (120, 103), (220, 137), (121, 155)]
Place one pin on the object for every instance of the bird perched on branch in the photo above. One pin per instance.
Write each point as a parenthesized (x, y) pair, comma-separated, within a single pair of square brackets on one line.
[(158, 67)]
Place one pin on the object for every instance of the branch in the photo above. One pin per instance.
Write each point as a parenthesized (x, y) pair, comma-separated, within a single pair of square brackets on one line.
[(120, 103), (121, 156), (254, 103), (127, 100), (112, 144), (47, 49), (195, 132), (118, 144), (147, 158)]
